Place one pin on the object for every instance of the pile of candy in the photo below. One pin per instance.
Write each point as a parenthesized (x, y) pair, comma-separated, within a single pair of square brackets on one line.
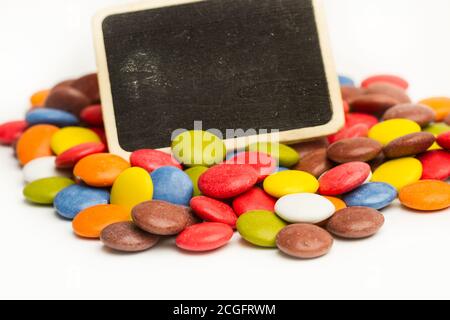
[(294, 197)]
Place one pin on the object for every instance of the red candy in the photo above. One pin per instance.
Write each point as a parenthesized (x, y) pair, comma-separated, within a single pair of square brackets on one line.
[(356, 131), (11, 131), (395, 80), (205, 236), (346, 107), (69, 158), (444, 140), (213, 210), (355, 118), (344, 178), (226, 181), (253, 199), (151, 160), (261, 162), (92, 115), (436, 165)]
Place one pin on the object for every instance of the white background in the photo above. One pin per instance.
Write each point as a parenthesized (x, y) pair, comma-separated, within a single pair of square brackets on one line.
[(44, 41)]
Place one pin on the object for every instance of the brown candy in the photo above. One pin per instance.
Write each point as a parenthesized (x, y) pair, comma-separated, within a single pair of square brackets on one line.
[(421, 114), (409, 145), (372, 103), (161, 218), (354, 149), (355, 222), (390, 90), (65, 83), (304, 241), (67, 99), (315, 163), (125, 236), (303, 148), (88, 84), (349, 93)]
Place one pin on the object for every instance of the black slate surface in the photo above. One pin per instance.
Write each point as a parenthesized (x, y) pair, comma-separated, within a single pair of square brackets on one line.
[(229, 63)]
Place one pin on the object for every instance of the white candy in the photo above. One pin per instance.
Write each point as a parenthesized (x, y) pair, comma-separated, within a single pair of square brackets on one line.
[(42, 168), (304, 208)]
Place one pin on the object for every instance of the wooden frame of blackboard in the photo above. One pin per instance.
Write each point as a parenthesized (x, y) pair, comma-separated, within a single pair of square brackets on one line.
[(291, 136)]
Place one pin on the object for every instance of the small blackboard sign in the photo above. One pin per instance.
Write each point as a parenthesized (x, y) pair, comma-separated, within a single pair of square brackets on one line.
[(232, 64)]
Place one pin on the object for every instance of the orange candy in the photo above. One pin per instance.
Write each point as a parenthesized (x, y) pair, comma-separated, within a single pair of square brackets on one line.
[(338, 203), (426, 195), (441, 105), (100, 170), (37, 100), (35, 143), (90, 222)]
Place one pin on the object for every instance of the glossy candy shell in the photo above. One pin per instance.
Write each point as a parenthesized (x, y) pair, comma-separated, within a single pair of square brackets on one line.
[(206, 236), (11, 131), (90, 222), (288, 182), (260, 228), (213, 210), (253, 199), (151, 160), (227, 180), (344, 178), (426, 195), (35, 143), (74, 199), (70, 158), (376, 195)]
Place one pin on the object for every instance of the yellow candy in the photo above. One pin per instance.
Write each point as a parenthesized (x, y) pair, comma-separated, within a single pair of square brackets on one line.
[(399, 173), (132, 187), (435, 146), (387, 131), (289, 182), (70, 137)]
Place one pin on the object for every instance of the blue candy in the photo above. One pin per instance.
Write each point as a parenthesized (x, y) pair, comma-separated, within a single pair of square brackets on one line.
[(51, 116), (376, 195), (172, 185), (346, 81), (70, 201)]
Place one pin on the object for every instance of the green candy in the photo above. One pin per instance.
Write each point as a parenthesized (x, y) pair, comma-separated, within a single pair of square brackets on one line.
[(286, 156), (44, 191), (260, 227), (194, 174), (198, 148), (437, 128)]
